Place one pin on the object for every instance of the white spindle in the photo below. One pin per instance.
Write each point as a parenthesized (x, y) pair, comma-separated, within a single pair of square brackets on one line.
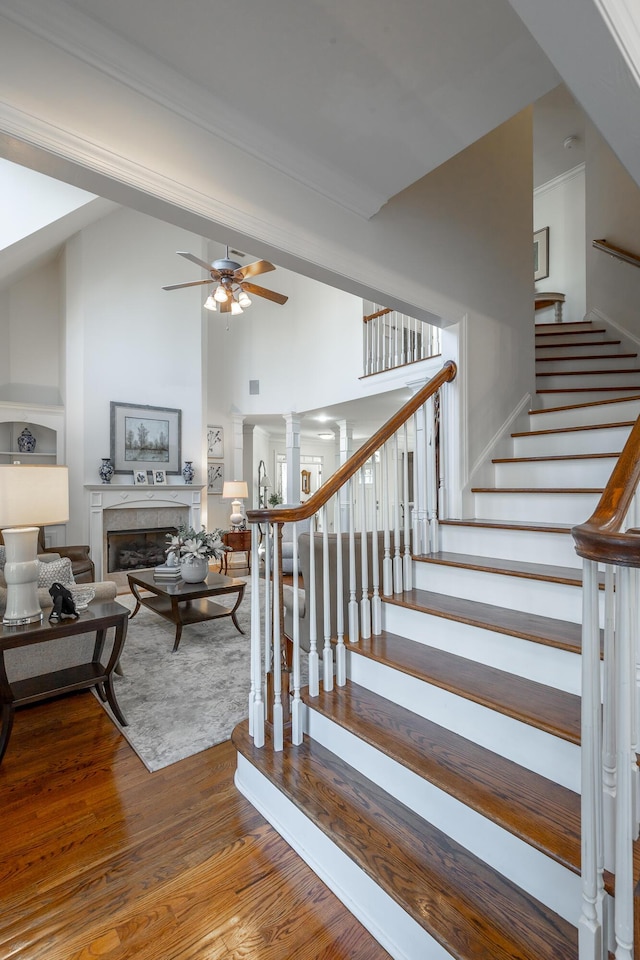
[(314, 667), (341, 664), (415, 513), (609, 722), (625, 828), (365, 603), (590, 933), (327, 650), (268, 602), (278, 720), (397, 557), (432, 482), (387, 563), (376, 602), (296, 705), (256, 701), (407, 563), (353, 603)]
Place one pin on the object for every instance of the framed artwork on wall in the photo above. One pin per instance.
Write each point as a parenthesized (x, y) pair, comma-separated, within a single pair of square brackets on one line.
[(215, 477), (215, 442), (145, 438), (541, 254)]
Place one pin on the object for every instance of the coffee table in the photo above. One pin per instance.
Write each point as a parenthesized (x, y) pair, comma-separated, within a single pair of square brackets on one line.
[(183, 603)]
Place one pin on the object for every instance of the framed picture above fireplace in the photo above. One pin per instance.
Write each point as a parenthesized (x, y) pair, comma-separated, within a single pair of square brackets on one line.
[(145, 438)]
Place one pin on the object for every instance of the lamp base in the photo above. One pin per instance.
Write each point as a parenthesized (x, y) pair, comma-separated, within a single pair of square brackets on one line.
[(236, 519), (21, 576)]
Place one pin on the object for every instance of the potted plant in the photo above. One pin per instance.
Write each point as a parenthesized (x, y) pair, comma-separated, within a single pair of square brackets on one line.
[(192, 550), (275, 499)]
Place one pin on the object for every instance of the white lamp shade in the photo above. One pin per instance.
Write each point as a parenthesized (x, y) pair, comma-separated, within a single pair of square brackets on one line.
[(235, 490), (33, 495)]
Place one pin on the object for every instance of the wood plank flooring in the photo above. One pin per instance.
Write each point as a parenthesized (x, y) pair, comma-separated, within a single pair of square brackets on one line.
[(100, 858)]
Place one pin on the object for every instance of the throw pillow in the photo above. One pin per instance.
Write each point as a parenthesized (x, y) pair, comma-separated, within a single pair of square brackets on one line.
[(3, 556), (58, 571)]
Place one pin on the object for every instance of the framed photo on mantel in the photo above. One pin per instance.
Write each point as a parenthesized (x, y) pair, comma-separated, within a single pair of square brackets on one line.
[(145, 438)]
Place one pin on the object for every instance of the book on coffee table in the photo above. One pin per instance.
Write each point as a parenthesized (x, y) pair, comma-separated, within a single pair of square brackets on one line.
[(164, 572)]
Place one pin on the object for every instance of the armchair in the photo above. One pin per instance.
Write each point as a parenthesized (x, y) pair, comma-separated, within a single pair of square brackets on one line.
[(82, 565)]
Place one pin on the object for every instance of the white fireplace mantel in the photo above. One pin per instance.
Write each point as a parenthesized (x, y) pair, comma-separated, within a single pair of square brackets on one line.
[(106, 496)]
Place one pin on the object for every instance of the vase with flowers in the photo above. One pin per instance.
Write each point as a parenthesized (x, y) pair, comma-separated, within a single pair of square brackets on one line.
[(193, 550)]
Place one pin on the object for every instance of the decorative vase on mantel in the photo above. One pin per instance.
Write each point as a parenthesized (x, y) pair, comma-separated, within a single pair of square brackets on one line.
[(188, 472), (26, 441), (105, 470), (194, 569)]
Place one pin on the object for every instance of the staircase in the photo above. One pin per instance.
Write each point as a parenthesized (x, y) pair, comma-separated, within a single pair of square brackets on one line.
[(437, 792)]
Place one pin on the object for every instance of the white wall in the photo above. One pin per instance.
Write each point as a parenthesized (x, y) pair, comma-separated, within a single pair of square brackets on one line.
[(560, 205), (613, 214)]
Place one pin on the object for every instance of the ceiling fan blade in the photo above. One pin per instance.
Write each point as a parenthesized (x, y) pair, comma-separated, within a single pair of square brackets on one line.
[(263, 292), (194, 259), (191, 283), (253, 269)]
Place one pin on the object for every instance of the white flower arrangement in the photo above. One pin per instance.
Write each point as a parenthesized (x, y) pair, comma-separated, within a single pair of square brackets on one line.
[(188, 544)]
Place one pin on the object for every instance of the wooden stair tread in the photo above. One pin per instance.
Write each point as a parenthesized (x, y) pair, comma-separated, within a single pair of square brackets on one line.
[(589, 373), (533, 808), (569, 333), (523, 525), (586, 426), (579, 406), (589, 389), (554, 345), (553, 325), (472, 911), (590, 356), (536, 490), (546, 708), (552, 459), (572, 576)]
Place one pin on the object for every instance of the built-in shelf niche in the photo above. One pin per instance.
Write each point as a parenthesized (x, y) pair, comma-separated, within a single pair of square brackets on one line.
[(45, 423)]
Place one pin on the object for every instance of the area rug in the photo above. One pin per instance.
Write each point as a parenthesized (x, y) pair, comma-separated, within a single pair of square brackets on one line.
[(178, 704)]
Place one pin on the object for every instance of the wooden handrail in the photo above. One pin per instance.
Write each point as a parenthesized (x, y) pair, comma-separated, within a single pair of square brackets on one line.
[(374, 316), (359, 458), (601, 537), (617, 252)]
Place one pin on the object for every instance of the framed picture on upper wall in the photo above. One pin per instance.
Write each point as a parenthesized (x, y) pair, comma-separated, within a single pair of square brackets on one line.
[(215, 442), (145, 438), (541, 254)]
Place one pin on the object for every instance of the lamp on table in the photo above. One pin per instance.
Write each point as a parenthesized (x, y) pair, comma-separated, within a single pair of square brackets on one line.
[(31, 496), (236, 491)]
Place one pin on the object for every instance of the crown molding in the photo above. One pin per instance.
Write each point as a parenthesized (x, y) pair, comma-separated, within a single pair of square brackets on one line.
[(559, 180), (99, 47), (621, 18)]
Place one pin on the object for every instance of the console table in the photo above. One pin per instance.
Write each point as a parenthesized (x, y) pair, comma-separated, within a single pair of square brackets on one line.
[(97, 618)]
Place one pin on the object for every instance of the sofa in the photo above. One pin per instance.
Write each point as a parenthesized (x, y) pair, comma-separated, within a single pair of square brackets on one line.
[(305, 570)]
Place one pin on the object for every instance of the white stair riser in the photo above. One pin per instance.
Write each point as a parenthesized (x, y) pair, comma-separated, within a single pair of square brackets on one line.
[(391, 926), (523, 658), (555, 473), (532, 748), (560, 381), (566, 348), (562, 365), (536, 507), (599, 440), (543, 878), (569, 336), (549, 326), (532, 546), (565, 397), (558, 600), (621, 411)]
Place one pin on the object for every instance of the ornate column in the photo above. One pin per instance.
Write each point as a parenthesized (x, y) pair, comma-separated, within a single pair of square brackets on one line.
[(292, 421)]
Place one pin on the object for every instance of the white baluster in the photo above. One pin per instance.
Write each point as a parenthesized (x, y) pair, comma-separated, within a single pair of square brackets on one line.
[(432, 481), (354, 632), (376, 602), (407, 562), (397, 556), (365, 603), (268, 605), (278, 720), (296, 705), (609, 722), (327, 650), (387, 563), (590, 933), (625, 828), (314, 668), (341, 663), (256, 701), (420, 510), (415, 526)]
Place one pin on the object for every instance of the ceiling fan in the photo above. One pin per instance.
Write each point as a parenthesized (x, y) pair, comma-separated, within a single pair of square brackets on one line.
[(231, 294)]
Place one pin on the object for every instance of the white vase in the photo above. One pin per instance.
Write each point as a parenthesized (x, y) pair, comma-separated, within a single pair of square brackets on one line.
[(194, 569)]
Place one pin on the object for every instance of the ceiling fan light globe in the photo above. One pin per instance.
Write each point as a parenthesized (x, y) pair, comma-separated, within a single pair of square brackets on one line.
[(210, 303), (236, 308), (221, 294), (244, 299)]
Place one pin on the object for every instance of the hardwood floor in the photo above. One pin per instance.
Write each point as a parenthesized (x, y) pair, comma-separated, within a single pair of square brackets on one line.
[(100, 858)]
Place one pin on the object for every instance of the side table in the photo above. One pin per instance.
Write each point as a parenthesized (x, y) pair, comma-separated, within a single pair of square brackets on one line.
[(238, 541), (97, 618)]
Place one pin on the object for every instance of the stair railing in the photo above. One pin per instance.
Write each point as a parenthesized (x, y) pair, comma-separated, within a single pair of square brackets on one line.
[(352, 540), (392, 339), (618, 252), (610, 735)]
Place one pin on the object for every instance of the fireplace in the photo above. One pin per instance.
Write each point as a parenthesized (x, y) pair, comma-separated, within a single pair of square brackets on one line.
[(136, 549)]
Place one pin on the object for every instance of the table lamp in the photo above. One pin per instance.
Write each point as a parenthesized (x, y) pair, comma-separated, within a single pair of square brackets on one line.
[(236, 490), (31, 496)]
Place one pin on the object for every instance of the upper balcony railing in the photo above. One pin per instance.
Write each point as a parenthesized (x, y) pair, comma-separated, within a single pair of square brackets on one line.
[(392, 339)]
